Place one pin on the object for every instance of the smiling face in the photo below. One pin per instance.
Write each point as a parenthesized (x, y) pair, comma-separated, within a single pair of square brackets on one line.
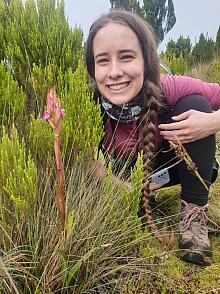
[(119, 63)]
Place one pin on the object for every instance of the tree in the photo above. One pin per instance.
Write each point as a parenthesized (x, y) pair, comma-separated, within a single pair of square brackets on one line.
[(130, 5), (204, 49), (159, 13), (217, 42), (181, 46), (171, 48)]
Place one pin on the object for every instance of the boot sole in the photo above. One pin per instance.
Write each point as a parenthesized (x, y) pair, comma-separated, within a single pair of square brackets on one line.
[(196, 257)]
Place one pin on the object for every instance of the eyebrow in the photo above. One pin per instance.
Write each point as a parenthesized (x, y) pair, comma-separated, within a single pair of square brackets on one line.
[(120, 51)]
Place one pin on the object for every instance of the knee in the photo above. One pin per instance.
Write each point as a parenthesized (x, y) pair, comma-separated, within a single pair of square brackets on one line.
[(196, 102)]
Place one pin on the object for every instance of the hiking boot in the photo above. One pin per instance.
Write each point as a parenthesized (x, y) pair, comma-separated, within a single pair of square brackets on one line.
[(194, 242)]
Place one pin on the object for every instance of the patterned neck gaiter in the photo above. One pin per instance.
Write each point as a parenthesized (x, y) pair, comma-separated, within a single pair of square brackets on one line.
[(126, 113)]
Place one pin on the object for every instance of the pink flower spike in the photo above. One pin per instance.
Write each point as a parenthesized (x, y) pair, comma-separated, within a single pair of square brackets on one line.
[(62, 111), (52, 94), (50, 97), (46, 115)]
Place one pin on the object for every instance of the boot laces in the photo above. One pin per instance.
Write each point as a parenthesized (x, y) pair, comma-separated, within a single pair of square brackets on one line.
[(193, 214)]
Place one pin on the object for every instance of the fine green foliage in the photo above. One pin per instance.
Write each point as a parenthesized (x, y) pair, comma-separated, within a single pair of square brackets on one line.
[(12, 98), (41, 50), (40, 142), (41, 79), (177, 65), (18, 175), (37, 33), (82, 124)]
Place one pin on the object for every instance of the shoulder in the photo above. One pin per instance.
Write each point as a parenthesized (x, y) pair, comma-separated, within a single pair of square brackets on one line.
[(172, 80)]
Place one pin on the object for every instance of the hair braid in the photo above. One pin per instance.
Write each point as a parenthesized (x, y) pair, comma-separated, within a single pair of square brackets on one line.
[(148, 130)]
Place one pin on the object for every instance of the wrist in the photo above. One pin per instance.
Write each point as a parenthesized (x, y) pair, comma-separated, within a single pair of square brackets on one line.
[(215, 121)]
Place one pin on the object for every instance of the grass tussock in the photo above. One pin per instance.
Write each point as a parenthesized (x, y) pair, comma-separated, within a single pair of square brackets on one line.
[(102, 246), (106, 251)]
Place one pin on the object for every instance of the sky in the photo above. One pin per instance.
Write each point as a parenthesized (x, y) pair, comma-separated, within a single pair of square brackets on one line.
[(193, 17)]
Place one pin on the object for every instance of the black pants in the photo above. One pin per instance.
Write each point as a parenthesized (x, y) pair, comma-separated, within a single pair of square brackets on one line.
[(202, 152)]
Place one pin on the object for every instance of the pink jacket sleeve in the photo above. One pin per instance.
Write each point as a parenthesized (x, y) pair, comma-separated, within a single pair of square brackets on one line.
[(175, 87)]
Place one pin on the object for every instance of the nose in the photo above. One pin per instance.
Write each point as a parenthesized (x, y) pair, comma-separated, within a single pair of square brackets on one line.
[(115, 70)]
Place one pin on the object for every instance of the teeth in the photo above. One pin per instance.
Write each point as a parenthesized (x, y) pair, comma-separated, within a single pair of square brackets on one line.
[(118, 86)]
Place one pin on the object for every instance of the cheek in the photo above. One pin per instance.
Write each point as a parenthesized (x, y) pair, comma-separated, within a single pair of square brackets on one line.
[(139, 80), (137, 70), (95, 73), (99, 81), (99, 74), (139, 76)]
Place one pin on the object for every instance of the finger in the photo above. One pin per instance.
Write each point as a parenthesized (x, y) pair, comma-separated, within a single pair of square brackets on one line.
[(182, 116), (154, 186), (183, 141), (175, 133), (172, 126), (173, 139), (180, 139)]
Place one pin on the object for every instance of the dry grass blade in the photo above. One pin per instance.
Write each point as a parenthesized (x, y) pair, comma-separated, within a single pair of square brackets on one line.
[(11, 282), (184, 155)]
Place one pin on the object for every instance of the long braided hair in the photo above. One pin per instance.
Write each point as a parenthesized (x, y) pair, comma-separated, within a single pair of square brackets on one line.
[(150, 92)]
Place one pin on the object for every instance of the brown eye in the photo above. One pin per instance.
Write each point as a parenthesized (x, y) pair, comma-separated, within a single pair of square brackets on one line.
[(127, 57), (102, 61)]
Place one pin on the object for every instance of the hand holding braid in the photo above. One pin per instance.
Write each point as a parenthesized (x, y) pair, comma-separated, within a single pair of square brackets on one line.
[(148, 128)]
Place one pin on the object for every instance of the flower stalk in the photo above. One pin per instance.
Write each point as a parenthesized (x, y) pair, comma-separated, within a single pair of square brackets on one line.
[(53, 115)]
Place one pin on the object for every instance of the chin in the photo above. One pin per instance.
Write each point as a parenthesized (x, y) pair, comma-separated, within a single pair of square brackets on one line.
[(118, 102)]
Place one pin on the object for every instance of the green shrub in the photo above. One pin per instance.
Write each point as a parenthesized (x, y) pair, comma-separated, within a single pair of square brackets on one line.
[(213, 73), (41, 142), (12, 98), (18, 176), (82, 123), (209, 72), (37, 34), (177, 65)]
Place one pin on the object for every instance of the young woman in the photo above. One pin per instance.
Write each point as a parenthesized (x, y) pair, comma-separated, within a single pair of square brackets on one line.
[(145, 110)]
